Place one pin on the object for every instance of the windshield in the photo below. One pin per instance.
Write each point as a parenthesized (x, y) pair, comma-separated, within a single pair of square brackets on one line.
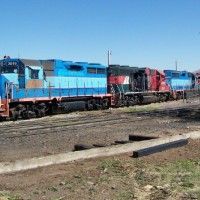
[(6, 70)]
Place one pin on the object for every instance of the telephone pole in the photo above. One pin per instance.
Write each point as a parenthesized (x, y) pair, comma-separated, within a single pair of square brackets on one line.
[(109, 54)]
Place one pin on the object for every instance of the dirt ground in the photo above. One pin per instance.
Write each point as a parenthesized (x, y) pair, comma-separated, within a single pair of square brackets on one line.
[(157, 176), (100, 178), (54, 142)]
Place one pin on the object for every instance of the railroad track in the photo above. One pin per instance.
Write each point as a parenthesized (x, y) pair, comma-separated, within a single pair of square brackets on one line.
[(180, 111), (25, 128), (44, 126), (59, 134)]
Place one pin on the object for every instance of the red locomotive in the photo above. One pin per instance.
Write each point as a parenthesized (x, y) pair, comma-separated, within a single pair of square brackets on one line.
[(133, 85)]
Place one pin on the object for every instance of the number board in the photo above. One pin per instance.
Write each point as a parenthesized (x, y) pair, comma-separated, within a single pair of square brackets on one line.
[(12, 63)]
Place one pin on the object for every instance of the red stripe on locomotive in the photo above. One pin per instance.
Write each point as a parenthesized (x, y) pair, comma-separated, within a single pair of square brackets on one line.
[(116, 79)]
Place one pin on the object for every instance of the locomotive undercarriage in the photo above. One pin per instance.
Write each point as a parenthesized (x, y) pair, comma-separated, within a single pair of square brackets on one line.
[(122, 100), (40, 109), (97, 104), (78, 105), (27, 111)]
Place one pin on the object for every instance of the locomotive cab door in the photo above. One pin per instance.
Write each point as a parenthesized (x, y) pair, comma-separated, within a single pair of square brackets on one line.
[(21, 77), (158, 80), (131, 82)]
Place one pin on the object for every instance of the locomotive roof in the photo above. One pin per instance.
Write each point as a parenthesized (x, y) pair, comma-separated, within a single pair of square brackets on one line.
[(31, 62), (123, 66), (173, 70), (48, 65)]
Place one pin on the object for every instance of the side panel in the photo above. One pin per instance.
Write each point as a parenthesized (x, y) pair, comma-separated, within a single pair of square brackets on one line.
[(34, 84), (179, 80)]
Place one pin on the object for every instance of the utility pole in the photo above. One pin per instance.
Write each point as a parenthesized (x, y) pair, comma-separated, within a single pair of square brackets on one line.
[(109, 54), (176, 65)]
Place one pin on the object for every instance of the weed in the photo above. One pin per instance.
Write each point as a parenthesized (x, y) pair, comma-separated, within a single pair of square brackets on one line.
[(163, 176), (181, 176), (9, 195), (107, 164), (197, 163), (187, 185), (186, 181), (139, 177), (114, 167), (78, 176), (40, 192), (139, 164), (52, 188), (4, 193), (92, 190), (70, 184), (159, 194), (185, 175), (195, 193), (184, 166), (103, 180)]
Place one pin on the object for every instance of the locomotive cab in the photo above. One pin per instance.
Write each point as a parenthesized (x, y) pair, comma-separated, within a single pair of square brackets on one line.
[(9, 78), (18, 81)]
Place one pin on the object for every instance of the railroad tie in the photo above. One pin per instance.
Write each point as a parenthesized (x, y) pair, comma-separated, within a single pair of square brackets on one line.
[(159, 148)]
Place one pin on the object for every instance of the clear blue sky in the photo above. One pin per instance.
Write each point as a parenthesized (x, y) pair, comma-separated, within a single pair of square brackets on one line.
[(153, 33)]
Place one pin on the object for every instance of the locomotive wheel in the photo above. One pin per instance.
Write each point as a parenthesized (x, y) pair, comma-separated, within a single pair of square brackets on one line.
[(39, 113), (99, 107), (178, 96), (14, 115), (53, 109), (89, 106), (25, 115), (119, 103), (140, 100)]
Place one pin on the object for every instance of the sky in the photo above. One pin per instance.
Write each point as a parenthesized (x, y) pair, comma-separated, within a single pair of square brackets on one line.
[(142, 33)]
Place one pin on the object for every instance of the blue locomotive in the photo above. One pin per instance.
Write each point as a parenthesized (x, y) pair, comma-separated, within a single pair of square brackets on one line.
[(32, 88), (179, 81)]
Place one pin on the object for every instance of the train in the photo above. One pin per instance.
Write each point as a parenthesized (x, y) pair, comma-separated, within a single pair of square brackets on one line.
[(133, 85), (35, 88)]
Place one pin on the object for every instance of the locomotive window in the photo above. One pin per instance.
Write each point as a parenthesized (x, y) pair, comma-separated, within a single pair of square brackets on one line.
[(101, 71), (91, 70), (152, 72), (190, 74), (75, 68), (8, 70), (175, 74), (33, 74)]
